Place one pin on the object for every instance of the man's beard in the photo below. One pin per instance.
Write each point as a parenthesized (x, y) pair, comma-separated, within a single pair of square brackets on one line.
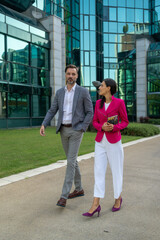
[(71, 82)]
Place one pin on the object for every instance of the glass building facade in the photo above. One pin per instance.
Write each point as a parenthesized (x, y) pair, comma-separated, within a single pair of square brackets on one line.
[(100, 38)]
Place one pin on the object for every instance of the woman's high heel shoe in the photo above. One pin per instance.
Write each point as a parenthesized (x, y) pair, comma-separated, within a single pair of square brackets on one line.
[(87, 214)]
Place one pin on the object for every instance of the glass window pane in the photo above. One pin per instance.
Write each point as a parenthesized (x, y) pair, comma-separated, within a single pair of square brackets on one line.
[(146, 4), (146, 16), (105, 26), (157, 3), (93, 59), (16, 23), (105, 2), (17, 73), (157, 10), (39, 57), (86, 22), (112, 14), (86, 76), (92, 23), (37, 31), (105, 13), (105, 49), (39, 77), (121, 14), (112, 50), (130, 3), (40, 105), (112, 37), (138, 15), (2, 50), (122, 3), (18, 105), (113, 2), (138, 3), (121, 27), (113, 27), (130, 15), (105, 37), (93, 41), (92, 7), (86, 40), (17, 50), (86, 58), (86, 8)]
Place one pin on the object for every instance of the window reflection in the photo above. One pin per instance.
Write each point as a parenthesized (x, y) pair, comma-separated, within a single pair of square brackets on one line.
[(130, 15), (113, 2), (113, 27), (17, 50), (37, 31), (17, 73), (130, 3), (39, 56), (39, 77), (92, 23), (39, 105), (139, 15), (122, 3), (112, 50), (18, 105), (2, 18)]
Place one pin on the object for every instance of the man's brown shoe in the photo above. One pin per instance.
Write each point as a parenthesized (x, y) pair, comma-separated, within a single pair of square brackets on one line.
[(76, 193), (62, 202)]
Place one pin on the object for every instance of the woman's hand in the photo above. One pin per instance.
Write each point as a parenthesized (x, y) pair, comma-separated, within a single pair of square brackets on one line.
[(107, 127)]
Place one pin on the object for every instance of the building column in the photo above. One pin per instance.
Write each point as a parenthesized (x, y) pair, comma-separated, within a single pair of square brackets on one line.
[(56, 30), (141, 77)]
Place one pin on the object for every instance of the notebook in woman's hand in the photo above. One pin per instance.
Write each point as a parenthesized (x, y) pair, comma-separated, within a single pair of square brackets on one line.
[(113, 120)]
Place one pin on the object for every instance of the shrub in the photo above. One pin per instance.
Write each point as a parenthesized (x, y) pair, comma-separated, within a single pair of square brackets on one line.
[(154, 121), (138, 129)]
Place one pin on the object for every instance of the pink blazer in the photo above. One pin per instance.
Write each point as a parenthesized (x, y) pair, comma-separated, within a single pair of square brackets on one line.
[(116, 107)]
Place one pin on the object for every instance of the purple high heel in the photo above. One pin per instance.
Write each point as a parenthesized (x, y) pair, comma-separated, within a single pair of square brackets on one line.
[(117, 209), (87, 214)]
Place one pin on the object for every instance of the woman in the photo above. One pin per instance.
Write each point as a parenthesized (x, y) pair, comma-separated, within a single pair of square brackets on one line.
[(109, 118)]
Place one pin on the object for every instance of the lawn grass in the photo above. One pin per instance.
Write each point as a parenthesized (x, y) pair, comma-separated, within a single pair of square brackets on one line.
[(24, 149)]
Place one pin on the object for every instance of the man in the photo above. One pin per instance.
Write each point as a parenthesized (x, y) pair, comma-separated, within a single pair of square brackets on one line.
[(75, 114)]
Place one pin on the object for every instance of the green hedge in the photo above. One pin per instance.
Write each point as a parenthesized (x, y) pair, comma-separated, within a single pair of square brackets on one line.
[(140, 129), (154, 121)]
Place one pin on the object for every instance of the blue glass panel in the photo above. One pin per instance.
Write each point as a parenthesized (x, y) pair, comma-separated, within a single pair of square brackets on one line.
[(37, 31), (146, 16), (122, 3), (93, 74), (86, 8), (92, 23), (121, 27), (81, 22), (93, 59), (81, 42), (106, 73), (105, 2), (138, 16), (112, 14), (92, 41), (17, 73), (157, 12), (130, 3), (105, 26), (92, 7), (130, 15), (86, 22), (112, 37), (105, 37), (82, 62), (18, 105), (113, 27), (86, 40), (105, 49), (86, 58), (39, 57), (112, 50), (86, 76), (121, 14), (131, 28), (138, 3), (113, 2), (146, 3), (157, 3)]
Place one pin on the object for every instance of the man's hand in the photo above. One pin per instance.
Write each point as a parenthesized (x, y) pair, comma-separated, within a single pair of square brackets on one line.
[(107, 127), (42, 132)]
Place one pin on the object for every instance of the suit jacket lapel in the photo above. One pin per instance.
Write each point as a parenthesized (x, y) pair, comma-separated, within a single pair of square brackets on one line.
[(75, 99)]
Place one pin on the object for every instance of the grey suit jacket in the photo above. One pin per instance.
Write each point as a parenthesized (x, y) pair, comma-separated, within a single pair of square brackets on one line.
[(82, 110)]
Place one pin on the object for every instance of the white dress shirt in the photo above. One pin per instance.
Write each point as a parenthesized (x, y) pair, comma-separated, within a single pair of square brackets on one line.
[(67, 105)]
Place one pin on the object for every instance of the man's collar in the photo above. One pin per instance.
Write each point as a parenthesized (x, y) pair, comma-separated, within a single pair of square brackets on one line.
[(72, 89)]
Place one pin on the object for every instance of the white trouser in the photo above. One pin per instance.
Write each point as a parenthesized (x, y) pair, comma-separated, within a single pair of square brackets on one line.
[(113, 153)]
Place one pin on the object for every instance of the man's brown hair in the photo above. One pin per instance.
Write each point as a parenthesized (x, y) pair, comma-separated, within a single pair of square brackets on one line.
[(71, 66)]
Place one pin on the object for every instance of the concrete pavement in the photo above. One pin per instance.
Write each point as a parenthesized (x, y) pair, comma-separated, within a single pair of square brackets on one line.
[(28, 207)]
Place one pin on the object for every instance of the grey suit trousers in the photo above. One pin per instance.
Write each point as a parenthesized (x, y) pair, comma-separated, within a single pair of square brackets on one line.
[(71, 141)]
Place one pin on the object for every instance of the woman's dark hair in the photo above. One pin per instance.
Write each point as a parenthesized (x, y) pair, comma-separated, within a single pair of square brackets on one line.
[(109, 83)]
